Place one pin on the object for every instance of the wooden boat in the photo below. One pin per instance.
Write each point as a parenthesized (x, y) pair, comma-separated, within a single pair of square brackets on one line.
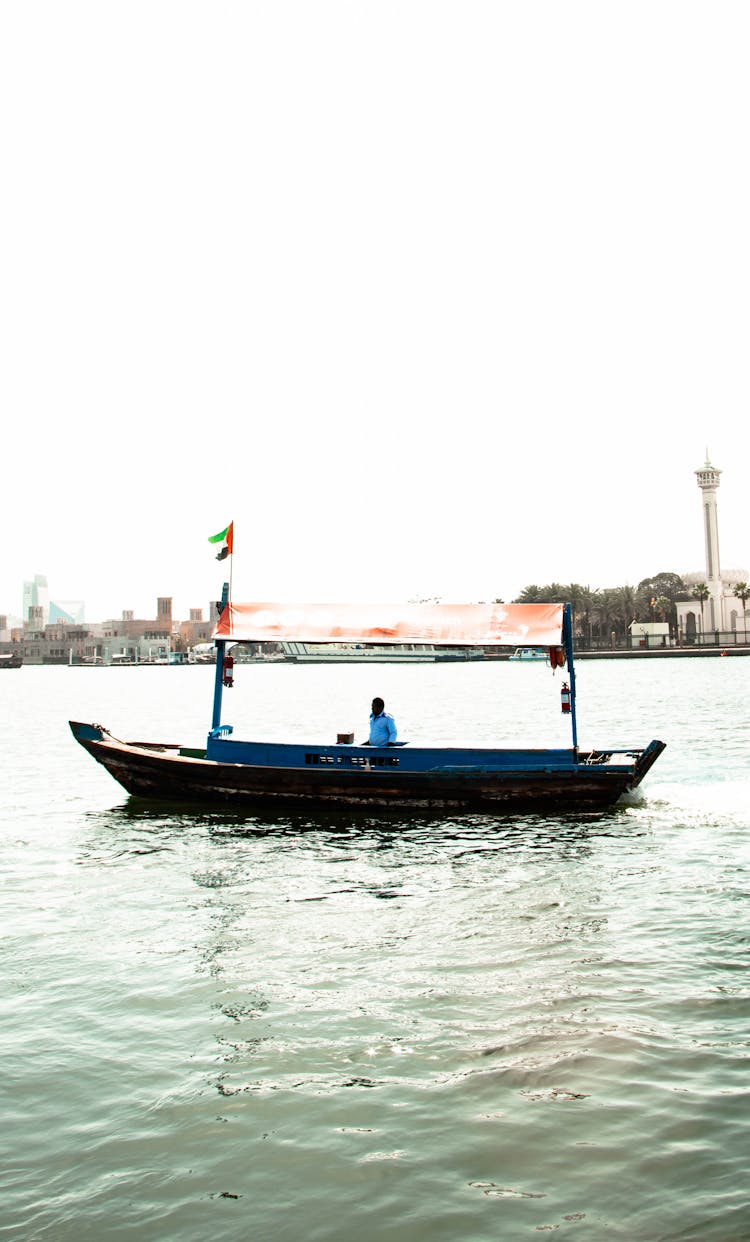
[(398, 777)]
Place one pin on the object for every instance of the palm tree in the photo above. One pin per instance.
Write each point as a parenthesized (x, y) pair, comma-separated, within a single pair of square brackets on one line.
[(585, 605), (627, 604), (529, 595), (742, 592), (620, 608), (609, 614), (701, 592), (578, 597), (550, 593), (594, 615)]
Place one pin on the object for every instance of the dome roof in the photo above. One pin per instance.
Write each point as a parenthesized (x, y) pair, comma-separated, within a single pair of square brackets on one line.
[(729, 577)]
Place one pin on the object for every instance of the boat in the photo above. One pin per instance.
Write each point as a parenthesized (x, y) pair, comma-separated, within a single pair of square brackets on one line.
[(204, 653), (367, 653), (402, 776), (531, 653), (10, 659)]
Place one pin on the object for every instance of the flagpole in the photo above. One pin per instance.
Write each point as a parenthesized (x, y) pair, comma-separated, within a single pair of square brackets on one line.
[(231, 558)]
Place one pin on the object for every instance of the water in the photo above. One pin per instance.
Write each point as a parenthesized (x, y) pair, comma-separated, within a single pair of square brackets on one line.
[(234, 1028)]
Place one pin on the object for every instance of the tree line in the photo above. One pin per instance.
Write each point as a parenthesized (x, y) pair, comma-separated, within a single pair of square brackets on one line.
[(599, 613)]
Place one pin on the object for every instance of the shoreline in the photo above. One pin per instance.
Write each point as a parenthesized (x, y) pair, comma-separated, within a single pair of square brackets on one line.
[(639, 653), (660, 653)]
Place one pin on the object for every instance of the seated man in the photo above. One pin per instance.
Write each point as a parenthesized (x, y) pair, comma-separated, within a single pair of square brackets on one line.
[(382, 726)]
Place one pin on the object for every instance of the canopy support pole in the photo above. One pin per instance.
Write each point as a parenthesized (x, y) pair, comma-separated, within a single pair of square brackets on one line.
[(219, 678), (568, 643)]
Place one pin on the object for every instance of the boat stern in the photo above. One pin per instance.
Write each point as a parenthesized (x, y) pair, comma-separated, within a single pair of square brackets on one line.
[(646, 761)]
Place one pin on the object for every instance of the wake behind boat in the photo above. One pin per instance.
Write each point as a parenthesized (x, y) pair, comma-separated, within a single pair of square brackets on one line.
[(397, 777)]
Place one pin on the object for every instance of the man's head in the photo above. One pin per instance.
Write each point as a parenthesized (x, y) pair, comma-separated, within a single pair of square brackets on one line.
[(377, 706)]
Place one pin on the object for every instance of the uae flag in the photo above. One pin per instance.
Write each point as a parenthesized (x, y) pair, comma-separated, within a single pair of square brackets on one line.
[(226, 537)]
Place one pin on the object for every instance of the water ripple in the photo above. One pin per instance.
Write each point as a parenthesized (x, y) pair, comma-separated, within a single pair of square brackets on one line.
[(230, 1026)]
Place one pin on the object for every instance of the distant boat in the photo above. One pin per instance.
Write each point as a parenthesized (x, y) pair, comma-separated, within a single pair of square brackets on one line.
[(10, 659), (347, 776), (204, 653), (367, 653), (531, 653)]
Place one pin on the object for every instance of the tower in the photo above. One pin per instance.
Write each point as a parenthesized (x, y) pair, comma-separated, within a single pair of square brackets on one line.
[(708, 481), (36, 595), (164, 612)]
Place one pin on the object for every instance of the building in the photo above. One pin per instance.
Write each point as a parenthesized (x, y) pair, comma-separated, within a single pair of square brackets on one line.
[(196, 630), (136, 640), (36, 595), (649, 634), (55, 632), (53, 644), (71, 611), (719, 616), (126, 640), (8, 624)]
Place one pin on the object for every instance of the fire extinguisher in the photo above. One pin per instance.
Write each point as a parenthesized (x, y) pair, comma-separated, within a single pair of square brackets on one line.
[(565, 698), (228, 675)]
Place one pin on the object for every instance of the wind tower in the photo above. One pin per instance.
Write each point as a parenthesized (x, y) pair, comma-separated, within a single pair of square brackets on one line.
[(708, 481)]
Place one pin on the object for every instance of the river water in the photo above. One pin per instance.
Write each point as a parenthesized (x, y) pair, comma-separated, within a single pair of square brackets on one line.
[(229, 1027)]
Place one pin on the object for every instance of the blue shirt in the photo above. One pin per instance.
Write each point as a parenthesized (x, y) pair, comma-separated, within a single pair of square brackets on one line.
[(382, 729)]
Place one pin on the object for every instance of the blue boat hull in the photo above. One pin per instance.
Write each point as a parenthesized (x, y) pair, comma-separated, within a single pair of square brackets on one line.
[(284, 776)]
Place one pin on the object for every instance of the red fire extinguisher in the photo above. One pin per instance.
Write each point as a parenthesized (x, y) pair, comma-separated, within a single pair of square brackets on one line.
[(565, 698), (228, 675)]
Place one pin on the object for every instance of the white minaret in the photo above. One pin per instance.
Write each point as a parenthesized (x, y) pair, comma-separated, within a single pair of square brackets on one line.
[(708, 481)]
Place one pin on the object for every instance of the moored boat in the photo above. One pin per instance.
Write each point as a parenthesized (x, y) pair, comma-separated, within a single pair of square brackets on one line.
[(10, 659), (367, 653), (400, 776)]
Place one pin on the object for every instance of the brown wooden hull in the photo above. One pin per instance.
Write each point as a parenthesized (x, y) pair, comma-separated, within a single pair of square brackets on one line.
[(163, 773)]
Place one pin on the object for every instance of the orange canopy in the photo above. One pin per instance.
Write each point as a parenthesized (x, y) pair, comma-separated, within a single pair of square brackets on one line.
[(502, 625)]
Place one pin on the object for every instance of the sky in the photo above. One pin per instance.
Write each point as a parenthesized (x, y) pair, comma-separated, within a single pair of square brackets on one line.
[(433, 300)]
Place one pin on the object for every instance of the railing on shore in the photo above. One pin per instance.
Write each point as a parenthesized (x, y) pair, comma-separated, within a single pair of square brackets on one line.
[(722, 639)]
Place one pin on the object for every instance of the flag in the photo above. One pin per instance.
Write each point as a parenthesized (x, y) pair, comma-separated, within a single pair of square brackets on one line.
[(226, 537)]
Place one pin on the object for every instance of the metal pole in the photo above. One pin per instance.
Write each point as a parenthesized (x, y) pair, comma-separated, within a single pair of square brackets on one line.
[(568, 642), (219, 677)]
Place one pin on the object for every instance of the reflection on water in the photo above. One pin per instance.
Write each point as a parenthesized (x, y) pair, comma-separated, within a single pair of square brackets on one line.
[(359, 824)]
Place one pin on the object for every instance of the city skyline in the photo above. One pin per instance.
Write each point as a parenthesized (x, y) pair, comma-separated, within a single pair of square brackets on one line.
[(39, 583)]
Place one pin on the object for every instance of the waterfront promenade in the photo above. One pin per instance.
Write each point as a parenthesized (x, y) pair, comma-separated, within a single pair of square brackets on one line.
[(656, 653)]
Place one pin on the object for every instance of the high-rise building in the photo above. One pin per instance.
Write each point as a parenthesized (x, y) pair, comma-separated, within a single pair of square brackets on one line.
[(69, 611), (36, 595)]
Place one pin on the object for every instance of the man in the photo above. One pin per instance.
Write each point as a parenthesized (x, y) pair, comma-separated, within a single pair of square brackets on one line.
[(382, 725)]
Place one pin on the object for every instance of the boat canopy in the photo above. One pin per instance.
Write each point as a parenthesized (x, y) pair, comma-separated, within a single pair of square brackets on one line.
[(454, 625)]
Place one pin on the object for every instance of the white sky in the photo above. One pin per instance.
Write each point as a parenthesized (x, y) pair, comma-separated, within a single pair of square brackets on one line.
[(432, 299)]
